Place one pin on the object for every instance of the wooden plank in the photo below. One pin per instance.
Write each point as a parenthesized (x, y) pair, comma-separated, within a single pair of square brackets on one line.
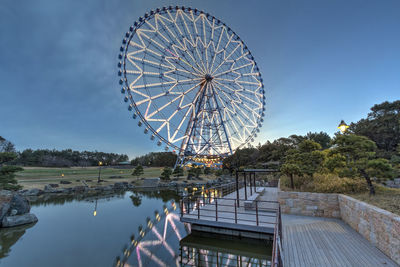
[(311, 241)]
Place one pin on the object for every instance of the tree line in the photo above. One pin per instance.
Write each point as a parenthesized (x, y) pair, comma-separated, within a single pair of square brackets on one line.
[(369, 149), (156, 159), (59, 158)]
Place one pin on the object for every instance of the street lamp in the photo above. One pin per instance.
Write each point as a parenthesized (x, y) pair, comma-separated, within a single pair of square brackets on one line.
[(98, 179), (343, 126)]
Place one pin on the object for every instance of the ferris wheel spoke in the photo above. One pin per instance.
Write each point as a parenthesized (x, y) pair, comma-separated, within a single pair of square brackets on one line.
[(186, 26), (226, 58), (239, 81), (228, 111), (180, 46), (188, 81), (237, 111), (172, 66), (233, 69)]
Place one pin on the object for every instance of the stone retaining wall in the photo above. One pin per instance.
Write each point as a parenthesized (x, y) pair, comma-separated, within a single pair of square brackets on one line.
[(309, 204), (380, 227)]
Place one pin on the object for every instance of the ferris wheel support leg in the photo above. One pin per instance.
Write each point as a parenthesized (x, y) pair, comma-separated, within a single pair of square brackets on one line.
[(179, 161)]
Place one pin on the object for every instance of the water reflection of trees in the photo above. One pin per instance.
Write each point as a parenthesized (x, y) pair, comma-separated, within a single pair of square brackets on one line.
[(164, 195), (62, 199), (10, 236), (136, 199)]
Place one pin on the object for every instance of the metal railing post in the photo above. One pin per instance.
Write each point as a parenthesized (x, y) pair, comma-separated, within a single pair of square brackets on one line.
[(251, 187), (198, 208), (235, 212), (257, 212), (245, 186), (181, 204), (216, 210), (237, 187), (254, 182)]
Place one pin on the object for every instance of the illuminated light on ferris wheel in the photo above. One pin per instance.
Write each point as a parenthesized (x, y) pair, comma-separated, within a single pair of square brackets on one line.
[(191, 82)]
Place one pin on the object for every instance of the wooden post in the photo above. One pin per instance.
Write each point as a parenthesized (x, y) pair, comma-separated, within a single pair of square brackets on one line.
[(237, 187)]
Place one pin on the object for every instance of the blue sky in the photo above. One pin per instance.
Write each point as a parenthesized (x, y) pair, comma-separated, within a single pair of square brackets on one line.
[(321, 61)]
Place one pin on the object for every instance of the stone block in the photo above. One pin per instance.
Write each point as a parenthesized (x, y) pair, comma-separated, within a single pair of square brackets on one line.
[(11, 221)]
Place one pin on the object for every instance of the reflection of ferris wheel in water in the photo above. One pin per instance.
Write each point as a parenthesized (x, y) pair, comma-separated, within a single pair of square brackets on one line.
[(157, 243), (191, 82)]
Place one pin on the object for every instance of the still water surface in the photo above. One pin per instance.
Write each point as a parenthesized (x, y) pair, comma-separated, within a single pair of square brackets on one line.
[(68, 234)]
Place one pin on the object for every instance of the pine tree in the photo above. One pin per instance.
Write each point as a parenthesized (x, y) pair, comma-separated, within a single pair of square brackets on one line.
[(178, 171), (138, 171), (166, 174)]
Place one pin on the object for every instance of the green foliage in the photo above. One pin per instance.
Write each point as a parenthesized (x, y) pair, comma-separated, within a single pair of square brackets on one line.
[(381, 126), (178, 171), (207, 170), (194, 172), (321, 138), (307, 157), (7, 156), (276, 150), (138, 171), (242, 157), (335, 163), (219, 172), (6, 146), (7, 173), (360, 158), (291, 169), (156, 159), (166, 173), (326, 183), (67, 158), (380, 168), (7, 178)]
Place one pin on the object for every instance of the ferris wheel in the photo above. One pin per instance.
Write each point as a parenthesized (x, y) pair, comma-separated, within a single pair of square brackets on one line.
[(191, 82)]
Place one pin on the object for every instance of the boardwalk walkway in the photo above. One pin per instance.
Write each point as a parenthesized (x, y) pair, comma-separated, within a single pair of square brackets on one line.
[(315, 241)]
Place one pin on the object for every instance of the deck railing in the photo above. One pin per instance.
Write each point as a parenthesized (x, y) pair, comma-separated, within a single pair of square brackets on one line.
[(214, 208), (277, 257), (190, 256)]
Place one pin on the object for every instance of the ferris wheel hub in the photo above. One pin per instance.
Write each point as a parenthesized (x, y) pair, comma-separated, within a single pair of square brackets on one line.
[(208, 77)]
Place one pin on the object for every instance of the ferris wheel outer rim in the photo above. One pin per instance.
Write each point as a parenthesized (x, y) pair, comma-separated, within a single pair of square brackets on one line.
[(123, 56)]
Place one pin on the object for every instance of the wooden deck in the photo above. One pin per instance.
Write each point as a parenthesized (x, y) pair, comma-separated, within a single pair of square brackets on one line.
[(315, 241), (246, 220)]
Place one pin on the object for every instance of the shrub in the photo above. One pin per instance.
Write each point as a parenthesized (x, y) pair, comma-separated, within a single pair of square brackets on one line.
[(326, 183)]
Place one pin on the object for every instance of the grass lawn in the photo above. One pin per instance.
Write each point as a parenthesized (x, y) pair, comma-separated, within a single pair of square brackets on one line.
[(385, 198), (38, 177), (80, 172)]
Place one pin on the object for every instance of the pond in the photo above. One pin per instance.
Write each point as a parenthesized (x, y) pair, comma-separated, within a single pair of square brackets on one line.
[(132, 228)]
